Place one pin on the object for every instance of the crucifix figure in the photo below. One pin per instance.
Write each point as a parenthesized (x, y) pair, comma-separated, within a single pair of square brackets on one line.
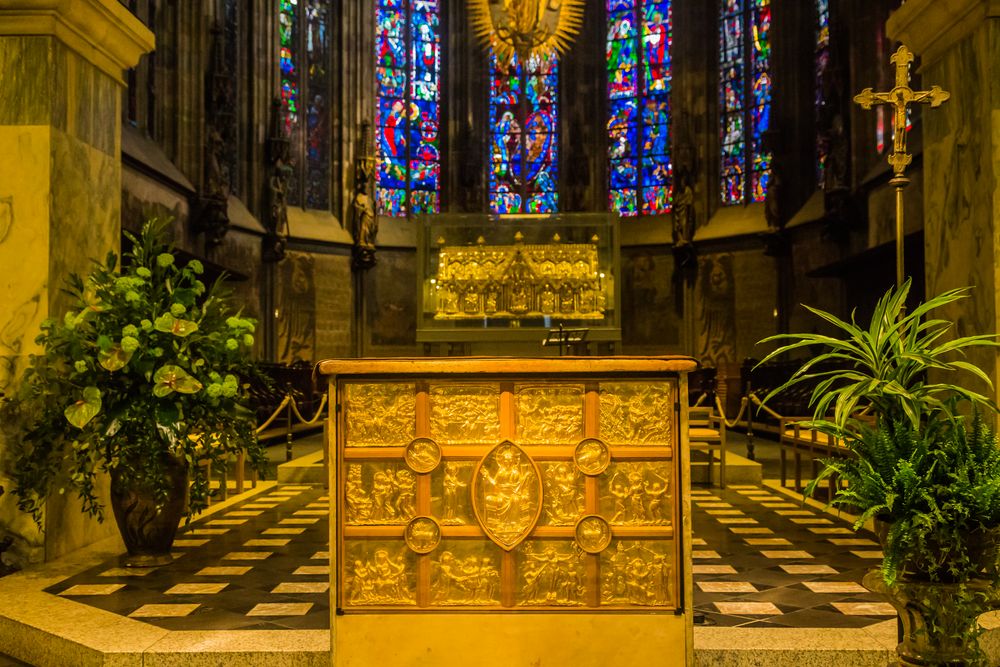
[(900, 98)]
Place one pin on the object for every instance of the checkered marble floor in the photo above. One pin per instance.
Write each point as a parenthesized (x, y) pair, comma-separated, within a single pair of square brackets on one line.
[(760, 560)]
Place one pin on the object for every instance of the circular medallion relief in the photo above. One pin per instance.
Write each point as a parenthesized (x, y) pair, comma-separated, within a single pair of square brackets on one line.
[(422, 455), (422, 534), (592, 456), (593, 533)]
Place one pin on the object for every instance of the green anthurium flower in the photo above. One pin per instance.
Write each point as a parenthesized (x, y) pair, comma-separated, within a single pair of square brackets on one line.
[(80, 413), (168, 379), (167, 323), (115, 358)]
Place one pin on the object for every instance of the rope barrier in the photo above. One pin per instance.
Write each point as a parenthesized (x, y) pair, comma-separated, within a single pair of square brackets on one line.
[(298, 415), (766, 409), (284, 404), (701, 399), (722, 412)]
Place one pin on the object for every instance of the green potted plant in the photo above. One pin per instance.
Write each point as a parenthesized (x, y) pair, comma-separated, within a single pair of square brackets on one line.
[(141, 379), (927, 474)]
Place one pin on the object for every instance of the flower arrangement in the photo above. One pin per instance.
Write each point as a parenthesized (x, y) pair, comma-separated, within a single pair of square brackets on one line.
[(146, 371)]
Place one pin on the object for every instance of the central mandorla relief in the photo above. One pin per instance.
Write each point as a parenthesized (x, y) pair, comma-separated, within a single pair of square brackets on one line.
[(507, 494)]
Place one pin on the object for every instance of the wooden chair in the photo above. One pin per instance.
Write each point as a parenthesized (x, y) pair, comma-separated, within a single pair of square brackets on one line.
[(707, 431)]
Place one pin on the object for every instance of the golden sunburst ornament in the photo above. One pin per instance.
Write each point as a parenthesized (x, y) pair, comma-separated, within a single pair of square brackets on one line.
[(526, 27)]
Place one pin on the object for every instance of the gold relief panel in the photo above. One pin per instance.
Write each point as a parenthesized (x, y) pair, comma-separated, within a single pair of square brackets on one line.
[(563, 498), (549, 414), (465, 413), (592, 533), (637, 413), (378, 493), (380, 414), (636, 493), (507, 494), (379, 573), (422, 455), (465, 573), (422, 534), (551, 573), (450, 489), (639, 573)]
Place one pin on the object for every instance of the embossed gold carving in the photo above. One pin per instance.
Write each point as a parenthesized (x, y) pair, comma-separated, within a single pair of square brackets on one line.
[(450, 504), (549, 414), (552, 575), (593, 534), (637, 493), (507, 494), (563, 500), (387, 494), (381, 414), (592, 456), (519, 281), (422, 455), (637, 573), (379, 575), (465, 413), (422, 534), (637, 413), (472, 580)]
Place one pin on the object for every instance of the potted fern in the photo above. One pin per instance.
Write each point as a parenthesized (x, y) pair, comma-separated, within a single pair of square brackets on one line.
[(924, 471), (141, 379)]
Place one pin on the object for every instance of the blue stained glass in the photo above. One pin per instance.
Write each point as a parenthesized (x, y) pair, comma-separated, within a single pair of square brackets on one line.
[(391, 201), (424, 202), (621, 25), (639, 27), (389, 23), (622, 142), (407, 47), (425, 27), (621, 53), (624, 173), (390, 52), (392, 173), (391, 82), (624, 202), (523, 118)]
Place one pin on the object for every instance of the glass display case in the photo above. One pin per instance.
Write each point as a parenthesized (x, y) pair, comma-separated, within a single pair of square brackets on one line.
[(514, 278)]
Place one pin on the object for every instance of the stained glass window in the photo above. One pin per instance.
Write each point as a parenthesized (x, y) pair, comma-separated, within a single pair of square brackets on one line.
[(822, 63), (524, 136), (744, 99), (289, 56), (639, 106), (408, 73)]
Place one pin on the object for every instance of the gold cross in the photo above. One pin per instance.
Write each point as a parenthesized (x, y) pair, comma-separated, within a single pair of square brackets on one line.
[(900, 98)]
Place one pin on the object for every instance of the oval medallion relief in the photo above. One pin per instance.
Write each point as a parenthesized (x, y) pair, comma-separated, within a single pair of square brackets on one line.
[(507, 494)]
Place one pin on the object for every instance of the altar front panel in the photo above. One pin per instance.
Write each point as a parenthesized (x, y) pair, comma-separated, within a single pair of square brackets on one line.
[(506, 486)]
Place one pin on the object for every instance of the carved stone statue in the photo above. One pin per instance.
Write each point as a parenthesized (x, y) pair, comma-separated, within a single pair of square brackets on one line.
[(276, 236), (364, 223), (213, 201), (683, 208)]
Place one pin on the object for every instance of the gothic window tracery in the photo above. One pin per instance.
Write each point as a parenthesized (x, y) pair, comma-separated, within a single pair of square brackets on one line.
[(304, 61), (745, 90), (524, 135), (639, 76), (408, 73)]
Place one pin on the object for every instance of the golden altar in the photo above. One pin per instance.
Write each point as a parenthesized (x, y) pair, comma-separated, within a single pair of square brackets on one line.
[(464, 487)]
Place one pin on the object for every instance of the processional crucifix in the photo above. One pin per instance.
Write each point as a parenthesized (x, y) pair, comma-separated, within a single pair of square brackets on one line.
[(900, 98)]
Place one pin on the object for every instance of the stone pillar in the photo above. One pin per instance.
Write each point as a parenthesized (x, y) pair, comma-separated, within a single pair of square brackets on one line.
[(958, 43), (61, 66)]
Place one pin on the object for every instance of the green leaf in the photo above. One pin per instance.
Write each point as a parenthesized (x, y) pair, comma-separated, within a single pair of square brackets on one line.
[(169, 379), (80, 413), (115, 358)]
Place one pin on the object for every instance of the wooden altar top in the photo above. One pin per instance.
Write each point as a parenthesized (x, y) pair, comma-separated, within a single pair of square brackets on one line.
[(507, 365)]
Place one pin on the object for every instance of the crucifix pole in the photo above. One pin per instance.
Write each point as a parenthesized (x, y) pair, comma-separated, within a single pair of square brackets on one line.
[(900, 98)]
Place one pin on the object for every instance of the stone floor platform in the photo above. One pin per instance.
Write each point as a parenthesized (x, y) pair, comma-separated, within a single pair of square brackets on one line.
[(776, 580)]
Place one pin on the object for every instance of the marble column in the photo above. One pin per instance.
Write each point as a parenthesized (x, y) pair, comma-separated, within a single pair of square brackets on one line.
[(61, 83), (958, 42)]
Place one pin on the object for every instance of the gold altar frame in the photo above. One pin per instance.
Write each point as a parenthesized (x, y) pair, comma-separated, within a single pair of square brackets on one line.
[(588, 372)]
